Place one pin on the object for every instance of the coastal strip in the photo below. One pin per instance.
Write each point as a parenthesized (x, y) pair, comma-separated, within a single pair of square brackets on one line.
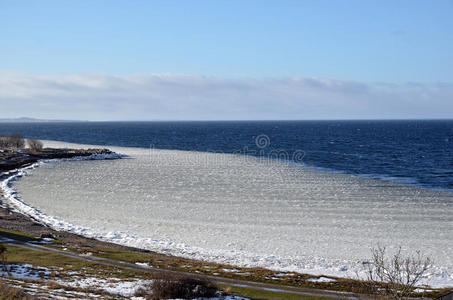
[(14, 224)]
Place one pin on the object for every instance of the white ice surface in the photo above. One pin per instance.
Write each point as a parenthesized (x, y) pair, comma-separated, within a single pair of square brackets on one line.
[(239, 210)]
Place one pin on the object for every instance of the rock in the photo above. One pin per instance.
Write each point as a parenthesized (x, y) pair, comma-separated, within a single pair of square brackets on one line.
[(13, 160), (47, 236)]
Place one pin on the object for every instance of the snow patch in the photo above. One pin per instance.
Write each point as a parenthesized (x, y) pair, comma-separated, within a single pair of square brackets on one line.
[(25, 271), (114, 286), (143, 264), (321, 279)]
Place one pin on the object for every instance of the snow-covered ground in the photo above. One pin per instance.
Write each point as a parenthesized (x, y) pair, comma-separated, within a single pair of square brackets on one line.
[(25, 271), (38, 281), (41, 279), (239, 210)]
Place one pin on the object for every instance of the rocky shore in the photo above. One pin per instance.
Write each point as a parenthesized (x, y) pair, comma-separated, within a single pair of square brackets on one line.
[(11, 160)]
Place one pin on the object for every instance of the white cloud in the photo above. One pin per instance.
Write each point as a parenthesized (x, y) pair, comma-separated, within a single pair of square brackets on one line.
[(192, 97)]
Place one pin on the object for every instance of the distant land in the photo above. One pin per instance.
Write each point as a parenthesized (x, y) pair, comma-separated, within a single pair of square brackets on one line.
[(33, 120)]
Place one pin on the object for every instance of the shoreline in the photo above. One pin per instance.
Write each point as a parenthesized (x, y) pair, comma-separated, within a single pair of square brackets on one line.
[(12, 219), (234, 259), (20, 222), (243, 282), (15, 223)]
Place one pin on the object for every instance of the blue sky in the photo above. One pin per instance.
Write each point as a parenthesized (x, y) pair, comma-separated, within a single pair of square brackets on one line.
[(372, 43)]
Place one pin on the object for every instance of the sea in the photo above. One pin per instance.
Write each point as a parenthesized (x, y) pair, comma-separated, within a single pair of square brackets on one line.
[(418, 152), (292, 196)]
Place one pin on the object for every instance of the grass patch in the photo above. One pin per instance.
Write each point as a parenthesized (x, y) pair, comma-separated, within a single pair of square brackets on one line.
[(162, 261), (18, 236), (116, 254), (51, 260), (43, 259), (269, 295)]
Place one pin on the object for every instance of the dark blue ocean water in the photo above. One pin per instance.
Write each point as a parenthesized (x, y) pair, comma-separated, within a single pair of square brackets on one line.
[(416, 152)]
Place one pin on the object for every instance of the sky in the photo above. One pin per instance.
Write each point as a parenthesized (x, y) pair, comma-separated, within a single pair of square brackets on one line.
[(226, 60)]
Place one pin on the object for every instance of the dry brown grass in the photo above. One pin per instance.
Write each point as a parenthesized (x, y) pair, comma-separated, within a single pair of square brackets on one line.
[(9, 293)]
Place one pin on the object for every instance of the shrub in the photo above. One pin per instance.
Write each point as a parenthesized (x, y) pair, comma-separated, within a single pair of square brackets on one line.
[(5, 141), (34, 145), (170, 286), (15, 141), (3, 251), (396, 276)]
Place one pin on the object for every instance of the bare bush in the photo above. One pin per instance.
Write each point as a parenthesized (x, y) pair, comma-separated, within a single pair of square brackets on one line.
[(3, 251), (396, 276), (171, 286), (15, 141), (35, 145), (5, 141)]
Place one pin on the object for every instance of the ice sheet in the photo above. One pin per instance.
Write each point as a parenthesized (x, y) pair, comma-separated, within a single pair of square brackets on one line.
[(241, 210)]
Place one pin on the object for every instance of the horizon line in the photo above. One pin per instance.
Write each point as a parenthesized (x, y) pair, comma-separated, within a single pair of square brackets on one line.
[(36, 120)]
